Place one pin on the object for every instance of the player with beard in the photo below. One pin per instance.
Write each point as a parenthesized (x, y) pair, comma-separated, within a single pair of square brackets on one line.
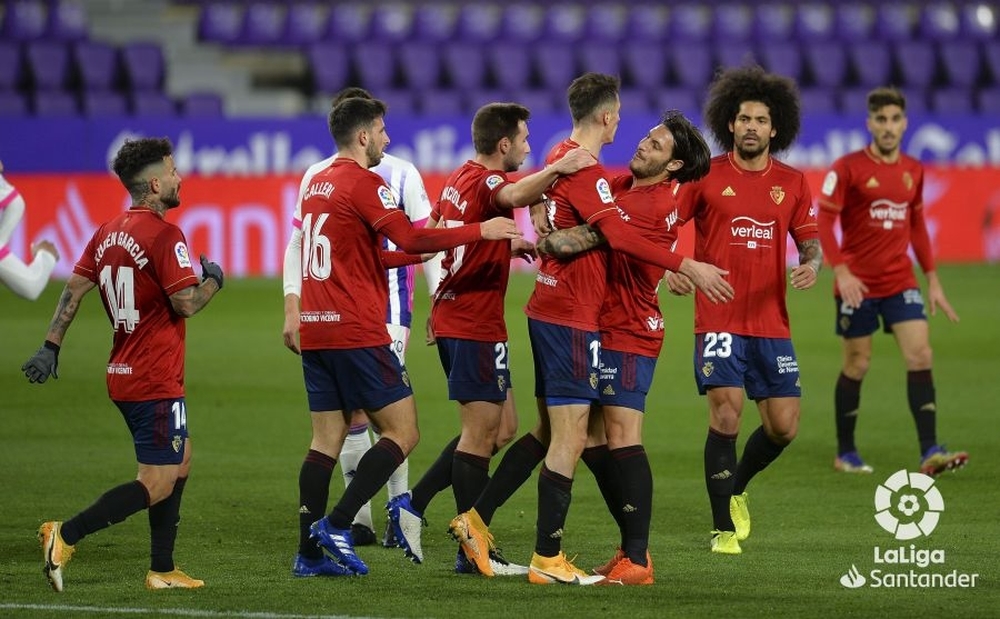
[(563, 327), (467, 316), (743, 211), (672, 152), (347, 361), (877, 193), (141, 263)]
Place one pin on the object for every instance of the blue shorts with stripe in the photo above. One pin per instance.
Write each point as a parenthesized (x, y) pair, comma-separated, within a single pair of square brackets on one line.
[(863, 321), (354, 378), (476, 371), (625, 379), (159, 429), (566, 360), (765, 367)]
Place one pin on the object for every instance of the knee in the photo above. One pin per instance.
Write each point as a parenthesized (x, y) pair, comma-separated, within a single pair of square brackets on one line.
[(856, 365), (783, 429), (725, 418), (158, 487), (783, 435), (504, 436), (919, 359)]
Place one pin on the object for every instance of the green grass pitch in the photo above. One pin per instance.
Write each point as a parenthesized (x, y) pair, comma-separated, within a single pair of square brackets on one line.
[(63, 443)]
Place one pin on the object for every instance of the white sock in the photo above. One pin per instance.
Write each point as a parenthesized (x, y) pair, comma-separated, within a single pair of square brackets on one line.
[(355, 446), (399, 481)]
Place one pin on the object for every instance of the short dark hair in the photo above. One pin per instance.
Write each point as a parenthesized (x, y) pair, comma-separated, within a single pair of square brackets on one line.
[(350, 92), (134, 156), (886, 95), (735, 86), (350, 116), (689, 146), (590, 92), (494, 122)]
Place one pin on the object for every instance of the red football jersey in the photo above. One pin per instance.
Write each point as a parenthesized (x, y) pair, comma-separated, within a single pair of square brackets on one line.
[(570, 292), (742, 220), (875, 201), (344, 289), (630, 317), (138, 260), (469, 303)]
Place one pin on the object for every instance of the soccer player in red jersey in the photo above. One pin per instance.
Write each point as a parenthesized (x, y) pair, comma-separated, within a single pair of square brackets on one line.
[(632, 333), (467, 317), (877, 193), (143, 268), (743, 211), (563, 327), (346, 359)]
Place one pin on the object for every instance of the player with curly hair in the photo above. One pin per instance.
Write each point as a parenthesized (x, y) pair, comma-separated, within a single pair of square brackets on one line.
[(743, 211)]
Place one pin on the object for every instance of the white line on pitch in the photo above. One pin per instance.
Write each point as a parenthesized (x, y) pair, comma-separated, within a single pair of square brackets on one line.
[(178, 612)]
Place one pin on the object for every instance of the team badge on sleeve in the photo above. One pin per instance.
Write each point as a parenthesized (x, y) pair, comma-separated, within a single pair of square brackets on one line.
[(493, 180), (604, 191), (385, 195), (829, 183), (183, 258)]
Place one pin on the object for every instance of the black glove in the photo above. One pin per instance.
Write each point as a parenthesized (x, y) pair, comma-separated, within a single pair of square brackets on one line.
[(212, 270), (42, 363)]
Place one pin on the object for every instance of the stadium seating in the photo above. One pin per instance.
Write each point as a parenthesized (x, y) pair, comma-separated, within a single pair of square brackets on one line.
[(54, 103), (24, 20), (398, 101), (305, 24), (12, 104), (465, 65), (687, 101), (417, 51), (103, 104), (48, 64), (153, 104), (10, 66), (434, 23), (144, 65), (330, 66), (96, 65), (420, 65), (961, 62), (202, 104)]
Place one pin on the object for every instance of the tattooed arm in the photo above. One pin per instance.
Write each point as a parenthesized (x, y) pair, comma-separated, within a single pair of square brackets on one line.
[(189, 301), (567, 243), (810, 262), (69, 303)]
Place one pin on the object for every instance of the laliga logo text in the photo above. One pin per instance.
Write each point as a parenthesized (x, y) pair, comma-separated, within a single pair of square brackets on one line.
[(908, 506)]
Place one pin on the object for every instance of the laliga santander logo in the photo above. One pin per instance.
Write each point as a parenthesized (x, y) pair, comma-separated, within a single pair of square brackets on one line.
[(908, 505)]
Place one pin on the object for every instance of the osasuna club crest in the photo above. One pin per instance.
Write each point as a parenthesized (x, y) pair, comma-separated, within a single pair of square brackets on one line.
[(777, 194)]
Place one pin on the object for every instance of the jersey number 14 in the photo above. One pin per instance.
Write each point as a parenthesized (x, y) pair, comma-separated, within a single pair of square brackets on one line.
[(119, 294)]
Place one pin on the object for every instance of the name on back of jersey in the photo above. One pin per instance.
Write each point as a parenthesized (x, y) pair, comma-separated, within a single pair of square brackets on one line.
[(319, 188), (126, 242), (452, 195)]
